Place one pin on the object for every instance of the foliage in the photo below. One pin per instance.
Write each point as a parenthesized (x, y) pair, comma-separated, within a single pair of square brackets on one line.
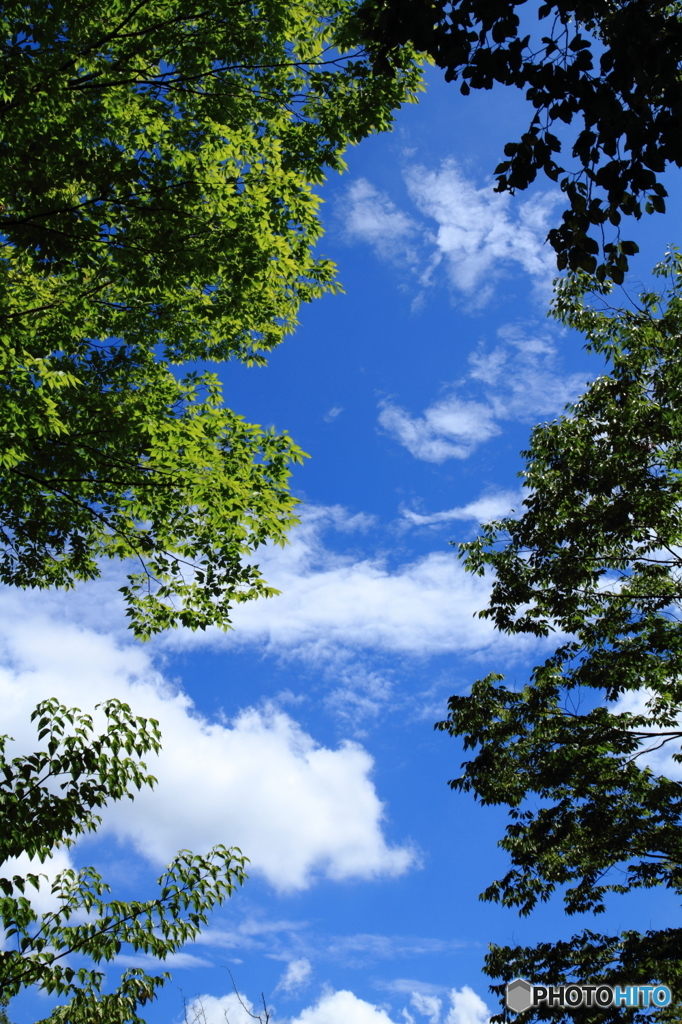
[(116, 458), (586, 756), (156, 207), (614, 68), (156, 167), (47, 799)]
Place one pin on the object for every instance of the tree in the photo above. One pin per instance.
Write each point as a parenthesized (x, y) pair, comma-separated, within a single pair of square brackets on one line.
[(613, 68), (156, 208), (595, 558), (125, 461), (47, 799)]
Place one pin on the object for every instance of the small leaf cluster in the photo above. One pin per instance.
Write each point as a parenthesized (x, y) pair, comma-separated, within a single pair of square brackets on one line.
[(614, 68), (47, 799), (595, 559)]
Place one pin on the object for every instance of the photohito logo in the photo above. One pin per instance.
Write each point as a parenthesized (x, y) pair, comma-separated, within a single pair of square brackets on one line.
[(521, 995)]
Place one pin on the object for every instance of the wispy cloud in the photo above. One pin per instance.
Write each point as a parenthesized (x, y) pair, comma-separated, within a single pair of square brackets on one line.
[(296, 976), (370, 216), (488, 506), (411, 986), (301, 947), (429, 1006), (450, 429), (481, 233), (181, 961), (474, 233), (359, 950), (520, 378)]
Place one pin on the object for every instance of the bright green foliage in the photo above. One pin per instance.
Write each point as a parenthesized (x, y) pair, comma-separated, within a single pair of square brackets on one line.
[(113, 456), (596, 557), (47, 799), (156, 164)]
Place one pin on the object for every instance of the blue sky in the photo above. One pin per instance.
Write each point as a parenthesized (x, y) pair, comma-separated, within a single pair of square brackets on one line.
[(306, 736)]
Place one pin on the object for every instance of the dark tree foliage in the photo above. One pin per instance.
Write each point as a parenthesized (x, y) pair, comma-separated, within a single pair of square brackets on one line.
[(587, 755), (611, 70)]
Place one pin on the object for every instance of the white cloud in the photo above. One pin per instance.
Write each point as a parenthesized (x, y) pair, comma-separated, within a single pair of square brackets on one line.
[(370, 216), (427, 1005), (467, 1008), (519, 379), (296, 976), (41, 899), (342, 1007), (658, 758), (229, 1009), (335, 610), (333, 603), (481, 231), (260, 782), (182, 961), (476, 234), (488, 506), (358, 950), (450, 429), (521, 376), (411, 986)]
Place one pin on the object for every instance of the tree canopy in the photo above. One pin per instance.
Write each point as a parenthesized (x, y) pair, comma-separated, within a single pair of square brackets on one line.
[(609, 70), (48, 799), (587, 755), (156, 207)]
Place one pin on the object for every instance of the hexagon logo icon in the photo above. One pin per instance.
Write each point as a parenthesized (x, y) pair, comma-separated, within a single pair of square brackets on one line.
[(519, 995)]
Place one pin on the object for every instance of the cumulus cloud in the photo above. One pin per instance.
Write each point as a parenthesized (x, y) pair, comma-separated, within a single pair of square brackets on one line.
[(332, 602), (658, 758), (474, 233), (467, 1007), (298, 809), (41, 899), (229, 1009), (520, 379), (342, 1007)]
